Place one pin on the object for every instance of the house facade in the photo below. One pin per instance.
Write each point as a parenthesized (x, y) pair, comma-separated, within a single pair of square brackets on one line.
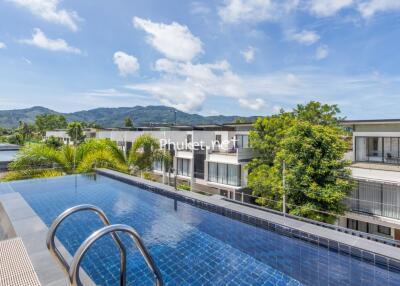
[(374, 205), (211, 158)]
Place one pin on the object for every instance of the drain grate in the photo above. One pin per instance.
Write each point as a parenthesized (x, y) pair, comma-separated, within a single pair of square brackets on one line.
[(15, 266)]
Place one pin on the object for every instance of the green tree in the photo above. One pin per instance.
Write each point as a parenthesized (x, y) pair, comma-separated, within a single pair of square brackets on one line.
[(266, 135), (36, 159), (145, 150), (317, 179), (239, 120), (15, 138), (311, 144), (26, 131), (318, 113), (53, 142), (46, 122), (128, 122), (75, 132)]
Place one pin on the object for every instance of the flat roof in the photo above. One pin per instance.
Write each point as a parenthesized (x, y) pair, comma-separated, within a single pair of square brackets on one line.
[(371, 121)]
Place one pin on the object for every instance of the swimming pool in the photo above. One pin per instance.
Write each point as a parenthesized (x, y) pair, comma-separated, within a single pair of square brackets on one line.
[(7, 156), (191, 246)]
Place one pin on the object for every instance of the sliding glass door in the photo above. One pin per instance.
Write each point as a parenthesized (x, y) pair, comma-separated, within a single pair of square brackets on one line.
[(227, 174)]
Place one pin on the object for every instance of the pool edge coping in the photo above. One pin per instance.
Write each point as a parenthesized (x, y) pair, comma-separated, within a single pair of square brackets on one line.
[(28, 226), (360, 248)]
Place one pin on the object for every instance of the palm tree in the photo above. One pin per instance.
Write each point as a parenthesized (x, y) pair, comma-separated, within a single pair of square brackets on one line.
[(145, 150), (75, 132), (166, 158), (37, 159)]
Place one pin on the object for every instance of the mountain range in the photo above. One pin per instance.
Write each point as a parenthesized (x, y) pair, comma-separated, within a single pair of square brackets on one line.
[(114, 117)]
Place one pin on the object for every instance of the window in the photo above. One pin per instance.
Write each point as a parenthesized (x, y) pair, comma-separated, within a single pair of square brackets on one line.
[(242, 141), (368, 227), (375, 143), (212, 172), (183, 167), (222, 173), (384, 230), (352, 223), (158, 165), (226, 174), (218, 139), (233, 175)]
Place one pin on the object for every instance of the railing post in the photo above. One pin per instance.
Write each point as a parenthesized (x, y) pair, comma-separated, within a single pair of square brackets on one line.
[(284, 188)]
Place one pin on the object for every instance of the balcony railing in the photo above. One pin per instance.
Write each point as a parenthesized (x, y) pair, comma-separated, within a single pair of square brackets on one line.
[(228, 150), (375, 198)]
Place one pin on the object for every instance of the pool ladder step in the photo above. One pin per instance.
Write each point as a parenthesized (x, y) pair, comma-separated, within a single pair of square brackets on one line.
[(73, 269)]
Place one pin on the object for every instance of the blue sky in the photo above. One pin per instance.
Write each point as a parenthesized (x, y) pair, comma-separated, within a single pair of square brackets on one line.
[(244, 57)]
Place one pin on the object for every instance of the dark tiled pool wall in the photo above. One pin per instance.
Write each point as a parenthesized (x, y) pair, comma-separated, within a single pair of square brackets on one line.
[(324, 225), (376, 259)]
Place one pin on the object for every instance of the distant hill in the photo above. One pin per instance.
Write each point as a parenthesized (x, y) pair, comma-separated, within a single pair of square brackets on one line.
[(114, 117)]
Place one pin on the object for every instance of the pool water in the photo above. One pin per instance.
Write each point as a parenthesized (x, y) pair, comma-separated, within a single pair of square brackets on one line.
[(190, 246), (7, 156)]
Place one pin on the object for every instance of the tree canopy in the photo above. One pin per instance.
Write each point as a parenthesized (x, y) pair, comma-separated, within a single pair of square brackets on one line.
[(310, 142), (75, 132), (143, 152), (40, 159), (46, 122), (128, 122)]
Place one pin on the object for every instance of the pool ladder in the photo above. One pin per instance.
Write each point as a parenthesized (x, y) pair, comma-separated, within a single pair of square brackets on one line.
[(73, 269)]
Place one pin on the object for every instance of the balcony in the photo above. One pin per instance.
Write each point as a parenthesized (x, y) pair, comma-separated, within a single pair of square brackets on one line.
[(374, 198), (232, 155), (383, 150)]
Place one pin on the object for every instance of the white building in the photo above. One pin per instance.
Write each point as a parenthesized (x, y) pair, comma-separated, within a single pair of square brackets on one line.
[(375, 202), (65, 138), (211, 158)]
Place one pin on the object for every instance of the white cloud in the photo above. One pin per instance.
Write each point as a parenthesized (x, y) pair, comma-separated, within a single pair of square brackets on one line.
[(322, 52), (49, 11), (181, 95), (28, 61), (186, 85), (248, 54), (292, 79), (324, 8), (110, 93), (199, 8), (256, 104), (235, 11), (2, 45), (175, 41), (39, 39), (126, 64), (371, 7), (304, 37)]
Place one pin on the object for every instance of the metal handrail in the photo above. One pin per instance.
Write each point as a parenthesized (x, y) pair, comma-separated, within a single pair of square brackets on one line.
[(50, 240), (76, 261)]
